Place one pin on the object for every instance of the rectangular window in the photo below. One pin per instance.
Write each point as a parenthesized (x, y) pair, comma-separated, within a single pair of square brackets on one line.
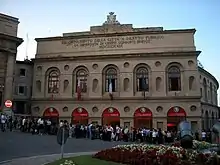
[(114, 85), (174, 84), (160, 125), (22, 90), (142, 84), (22, 72), (83, 85)]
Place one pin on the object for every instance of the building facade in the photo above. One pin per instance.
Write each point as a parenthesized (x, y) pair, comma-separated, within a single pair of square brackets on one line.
[(209, 100), (8, 50), (117, 74), (22, 87)]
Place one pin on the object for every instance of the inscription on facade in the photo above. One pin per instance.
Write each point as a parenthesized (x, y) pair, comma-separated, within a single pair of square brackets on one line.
[(111, 42)]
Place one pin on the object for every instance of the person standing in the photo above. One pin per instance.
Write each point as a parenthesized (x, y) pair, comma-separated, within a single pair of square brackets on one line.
[(3, 122), (10, 122)]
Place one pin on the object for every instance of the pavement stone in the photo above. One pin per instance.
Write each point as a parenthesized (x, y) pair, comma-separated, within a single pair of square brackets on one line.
[(16, 145), (42, 160)]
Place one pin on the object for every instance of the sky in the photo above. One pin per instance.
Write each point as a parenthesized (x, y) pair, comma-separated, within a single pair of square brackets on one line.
[(45, 18)]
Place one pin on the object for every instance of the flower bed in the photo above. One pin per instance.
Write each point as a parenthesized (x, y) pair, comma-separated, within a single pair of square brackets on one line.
[(198, 145), (143, 154)]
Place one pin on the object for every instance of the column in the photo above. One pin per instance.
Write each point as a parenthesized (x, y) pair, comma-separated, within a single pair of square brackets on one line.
[(8, 92)]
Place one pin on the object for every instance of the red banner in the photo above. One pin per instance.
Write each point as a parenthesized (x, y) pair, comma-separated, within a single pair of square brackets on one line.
[(80, 112), (110, 112), (143, 112), (51, 112), (176, 112)]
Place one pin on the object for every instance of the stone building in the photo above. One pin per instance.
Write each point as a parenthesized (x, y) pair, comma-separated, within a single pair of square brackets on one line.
[(8, 50), (22, 87), (118, 74)]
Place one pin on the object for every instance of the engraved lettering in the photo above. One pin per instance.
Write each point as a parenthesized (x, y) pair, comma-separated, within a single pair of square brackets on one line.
[(111, 42)]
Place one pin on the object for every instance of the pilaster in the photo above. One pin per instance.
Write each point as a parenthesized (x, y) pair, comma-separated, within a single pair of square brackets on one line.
[(9, 78)]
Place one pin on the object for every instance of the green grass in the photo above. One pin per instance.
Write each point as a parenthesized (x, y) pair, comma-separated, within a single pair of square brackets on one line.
[(84, 160)]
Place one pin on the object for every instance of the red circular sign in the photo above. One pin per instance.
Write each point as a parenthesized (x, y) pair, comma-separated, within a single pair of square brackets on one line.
[(8, 103)]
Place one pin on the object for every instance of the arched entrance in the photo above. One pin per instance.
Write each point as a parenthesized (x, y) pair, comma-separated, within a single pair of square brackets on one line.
[(52, 114), (143, 118), (80, 115), (174, 116), (111, 116)]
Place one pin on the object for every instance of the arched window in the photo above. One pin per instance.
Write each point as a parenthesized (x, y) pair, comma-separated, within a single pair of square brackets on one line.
[(206, 120), (81, 80), (211, 92), (142, 80), (174, 78), (111, 78), (205, 89), (53, 82)]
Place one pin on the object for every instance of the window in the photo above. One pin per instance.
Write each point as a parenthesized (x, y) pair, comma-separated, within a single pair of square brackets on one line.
[(205, 89), (211, 92), (81, 79), (191, 83), (53, 82), (142, 81), (22, 90), (22, 72), (174, 79), (111, 78)]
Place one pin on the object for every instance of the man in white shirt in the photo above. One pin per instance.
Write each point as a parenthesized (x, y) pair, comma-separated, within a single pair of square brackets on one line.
[(118, 132), (154, 136), (203, 135), (3, 121)]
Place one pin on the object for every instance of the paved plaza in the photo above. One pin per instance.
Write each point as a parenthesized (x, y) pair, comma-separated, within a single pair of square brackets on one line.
[(17, 146)]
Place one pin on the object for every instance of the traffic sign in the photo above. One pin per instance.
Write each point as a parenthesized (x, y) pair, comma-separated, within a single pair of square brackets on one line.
[(62, 135), (8, 103)]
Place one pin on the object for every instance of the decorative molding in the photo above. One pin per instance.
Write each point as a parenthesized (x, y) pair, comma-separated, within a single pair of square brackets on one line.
[(116, 56)]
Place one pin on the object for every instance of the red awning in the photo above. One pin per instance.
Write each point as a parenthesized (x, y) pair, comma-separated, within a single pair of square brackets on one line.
[(80, 112), (143, 113), (51, 112), (176, 112), (171, 125), (111, 112)]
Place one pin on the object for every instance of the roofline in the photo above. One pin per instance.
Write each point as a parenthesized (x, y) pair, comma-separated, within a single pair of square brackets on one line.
[(210, 75), (9, 17), (115, 34)]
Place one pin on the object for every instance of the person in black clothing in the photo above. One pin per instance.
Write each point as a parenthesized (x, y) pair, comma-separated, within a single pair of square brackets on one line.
[(10, 122), (77, 130), (160, 136)]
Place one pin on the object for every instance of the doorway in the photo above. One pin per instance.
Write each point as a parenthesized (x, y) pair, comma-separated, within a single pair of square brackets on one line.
[(113, 121), (20, 107)]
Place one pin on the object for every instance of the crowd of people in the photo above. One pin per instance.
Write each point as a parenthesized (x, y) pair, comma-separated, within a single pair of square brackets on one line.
[(93, 131)]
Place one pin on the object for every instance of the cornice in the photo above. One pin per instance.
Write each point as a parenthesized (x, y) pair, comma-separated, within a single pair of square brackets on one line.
[(120, 99), (116, 56), (115, 34), (15, 39), (209, 104), (10, 18)]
